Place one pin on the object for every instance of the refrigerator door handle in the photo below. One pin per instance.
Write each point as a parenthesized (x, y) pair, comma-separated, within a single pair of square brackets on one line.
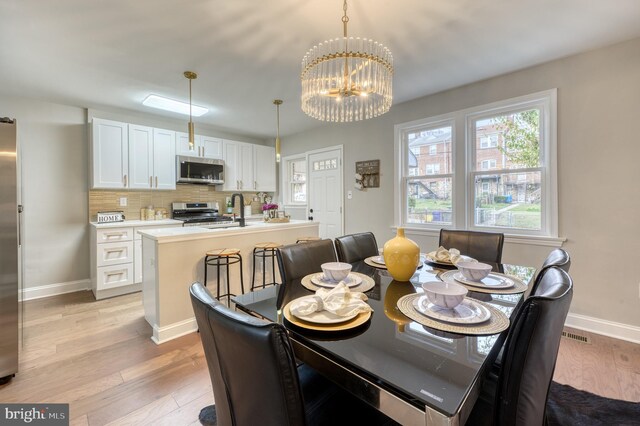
[(20, 209)]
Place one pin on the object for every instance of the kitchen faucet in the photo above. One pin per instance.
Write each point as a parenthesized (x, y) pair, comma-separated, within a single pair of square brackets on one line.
[(233, 204)]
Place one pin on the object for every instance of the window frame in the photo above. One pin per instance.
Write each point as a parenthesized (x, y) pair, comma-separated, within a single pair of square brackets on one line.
[(464, 160), (287, 187)]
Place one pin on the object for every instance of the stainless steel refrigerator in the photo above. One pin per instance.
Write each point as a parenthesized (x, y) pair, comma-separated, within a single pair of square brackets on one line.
[(9, 248)]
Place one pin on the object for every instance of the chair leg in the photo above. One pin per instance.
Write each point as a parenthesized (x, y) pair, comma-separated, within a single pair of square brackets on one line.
[(253, 272), (241, 275), (208, 416)]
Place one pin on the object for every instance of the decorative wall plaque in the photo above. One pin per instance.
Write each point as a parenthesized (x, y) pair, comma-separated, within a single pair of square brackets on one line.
[(368, 173)]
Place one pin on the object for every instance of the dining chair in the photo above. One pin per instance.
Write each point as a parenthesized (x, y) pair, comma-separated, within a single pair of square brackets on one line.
[(298, 260), (559, 258), (482, 246), (356, 247), (255, 379), (517, 393)]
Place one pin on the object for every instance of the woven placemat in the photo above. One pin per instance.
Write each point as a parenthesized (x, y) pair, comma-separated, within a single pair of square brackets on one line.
[(497, 323), (518, 287), (367, 283), (370, 262)]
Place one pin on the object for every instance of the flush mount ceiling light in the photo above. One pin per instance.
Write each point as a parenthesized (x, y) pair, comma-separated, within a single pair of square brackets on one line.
[(277, 103), (347, 79), (160, 102)]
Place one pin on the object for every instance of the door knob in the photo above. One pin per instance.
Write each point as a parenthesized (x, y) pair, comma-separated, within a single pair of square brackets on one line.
[(310, 210)]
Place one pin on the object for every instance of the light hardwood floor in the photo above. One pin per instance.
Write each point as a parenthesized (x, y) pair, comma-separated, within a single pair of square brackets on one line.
[(98, 357)]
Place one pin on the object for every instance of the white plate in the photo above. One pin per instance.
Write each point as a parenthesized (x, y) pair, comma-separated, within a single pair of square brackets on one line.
[(322, 317), (431, 258), (352, 280), (378, 259), (467, 312), (493, 280)]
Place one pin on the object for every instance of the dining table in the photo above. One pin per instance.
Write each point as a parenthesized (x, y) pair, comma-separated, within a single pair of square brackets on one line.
[(415, 374)]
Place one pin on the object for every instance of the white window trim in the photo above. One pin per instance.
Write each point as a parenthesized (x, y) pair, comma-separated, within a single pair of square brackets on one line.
[(401, 167), (286, 183), (462, 198)]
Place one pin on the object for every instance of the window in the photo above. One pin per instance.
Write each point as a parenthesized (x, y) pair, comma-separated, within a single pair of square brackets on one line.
[(296, 176), (488, 141), (488, 164), (433, 149), (506, 174), (428, 177)]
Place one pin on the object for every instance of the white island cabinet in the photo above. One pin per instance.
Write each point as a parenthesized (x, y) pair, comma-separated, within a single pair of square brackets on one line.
[(172, 259), (116, 255)]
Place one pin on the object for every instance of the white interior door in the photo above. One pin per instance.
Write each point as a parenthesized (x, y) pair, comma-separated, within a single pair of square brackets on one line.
[(325, 191)]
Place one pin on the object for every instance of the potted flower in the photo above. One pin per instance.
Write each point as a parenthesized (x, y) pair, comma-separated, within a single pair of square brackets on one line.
[(269, 210)]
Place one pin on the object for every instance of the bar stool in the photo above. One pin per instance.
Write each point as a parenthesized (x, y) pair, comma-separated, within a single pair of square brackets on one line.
[(307, 239), (264, 251), (223, 258)]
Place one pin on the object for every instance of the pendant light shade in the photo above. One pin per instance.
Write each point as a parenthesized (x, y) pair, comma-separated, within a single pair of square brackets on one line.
[(190, 75), (347, 79), (277, 103)]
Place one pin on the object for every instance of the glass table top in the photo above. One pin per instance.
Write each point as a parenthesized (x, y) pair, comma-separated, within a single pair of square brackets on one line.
[(423, 366)]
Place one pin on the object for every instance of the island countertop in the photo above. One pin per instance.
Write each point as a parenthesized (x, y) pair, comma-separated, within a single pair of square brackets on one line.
[(190, 233)]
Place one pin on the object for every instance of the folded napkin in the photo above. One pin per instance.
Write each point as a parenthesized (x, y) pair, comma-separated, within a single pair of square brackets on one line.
[(339, 300), (443, 255)]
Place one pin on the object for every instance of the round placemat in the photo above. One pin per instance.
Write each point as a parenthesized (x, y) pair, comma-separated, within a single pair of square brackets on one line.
[(518, 286), (370, 262), (497, 323), (352, 323), (367, 283)]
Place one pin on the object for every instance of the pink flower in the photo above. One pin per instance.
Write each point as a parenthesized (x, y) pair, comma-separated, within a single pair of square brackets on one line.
[(269, 207)]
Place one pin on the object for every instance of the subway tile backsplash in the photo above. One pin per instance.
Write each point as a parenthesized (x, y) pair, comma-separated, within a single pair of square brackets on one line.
[(104, 200)]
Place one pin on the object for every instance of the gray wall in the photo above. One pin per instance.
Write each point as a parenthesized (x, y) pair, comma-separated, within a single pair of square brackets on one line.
[(598, 173), (54, 154)]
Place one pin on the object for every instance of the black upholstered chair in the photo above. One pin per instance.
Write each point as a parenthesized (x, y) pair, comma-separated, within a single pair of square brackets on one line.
[(254, 375), (298, 260), (517, 393), (356, 247), (558, 258), (482, 246)]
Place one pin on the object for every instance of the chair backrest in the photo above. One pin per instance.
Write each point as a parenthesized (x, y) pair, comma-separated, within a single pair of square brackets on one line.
[(531, 350), (558, 258), (298, 260), (355, 247), (482, 246), (251, 363)]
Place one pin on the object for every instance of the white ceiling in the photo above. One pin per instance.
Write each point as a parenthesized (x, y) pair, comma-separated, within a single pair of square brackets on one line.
[(113, 53)]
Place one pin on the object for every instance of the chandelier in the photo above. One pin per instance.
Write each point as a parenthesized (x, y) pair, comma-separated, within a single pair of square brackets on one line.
[(347, 79)]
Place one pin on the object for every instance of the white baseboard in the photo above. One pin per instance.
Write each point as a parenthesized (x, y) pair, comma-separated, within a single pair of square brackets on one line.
[(31, 293), (173, 331), (616, 330)]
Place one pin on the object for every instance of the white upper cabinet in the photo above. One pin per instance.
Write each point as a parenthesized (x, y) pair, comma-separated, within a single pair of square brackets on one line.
[(248, 167), (132, 156), (211, 147), (140, 157), (264, 160), (203, 146), (182, 145), (109, 154), (164, 159)]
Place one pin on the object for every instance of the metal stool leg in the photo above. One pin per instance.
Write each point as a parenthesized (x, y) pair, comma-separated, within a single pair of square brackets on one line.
[(241, 274), (264, 268), (206, 258), (273, 266), (253, 272)]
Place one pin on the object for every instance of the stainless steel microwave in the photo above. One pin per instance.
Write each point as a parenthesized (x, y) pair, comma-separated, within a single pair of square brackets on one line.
[(205, 171)]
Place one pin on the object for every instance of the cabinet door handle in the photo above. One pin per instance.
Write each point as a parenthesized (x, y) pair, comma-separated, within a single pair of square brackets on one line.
[(203, 151), (150, 182), (125, 181), (255, 185), (156, 181)]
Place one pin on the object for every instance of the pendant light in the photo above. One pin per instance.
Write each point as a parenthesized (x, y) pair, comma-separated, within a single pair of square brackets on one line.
[(347, 79), (277, 103), (190, 75)]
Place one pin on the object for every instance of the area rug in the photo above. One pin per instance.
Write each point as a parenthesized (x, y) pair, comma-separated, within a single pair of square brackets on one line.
[(568, 406)]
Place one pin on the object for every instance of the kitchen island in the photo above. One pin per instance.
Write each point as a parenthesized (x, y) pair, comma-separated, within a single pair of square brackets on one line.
[(173, 258)]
